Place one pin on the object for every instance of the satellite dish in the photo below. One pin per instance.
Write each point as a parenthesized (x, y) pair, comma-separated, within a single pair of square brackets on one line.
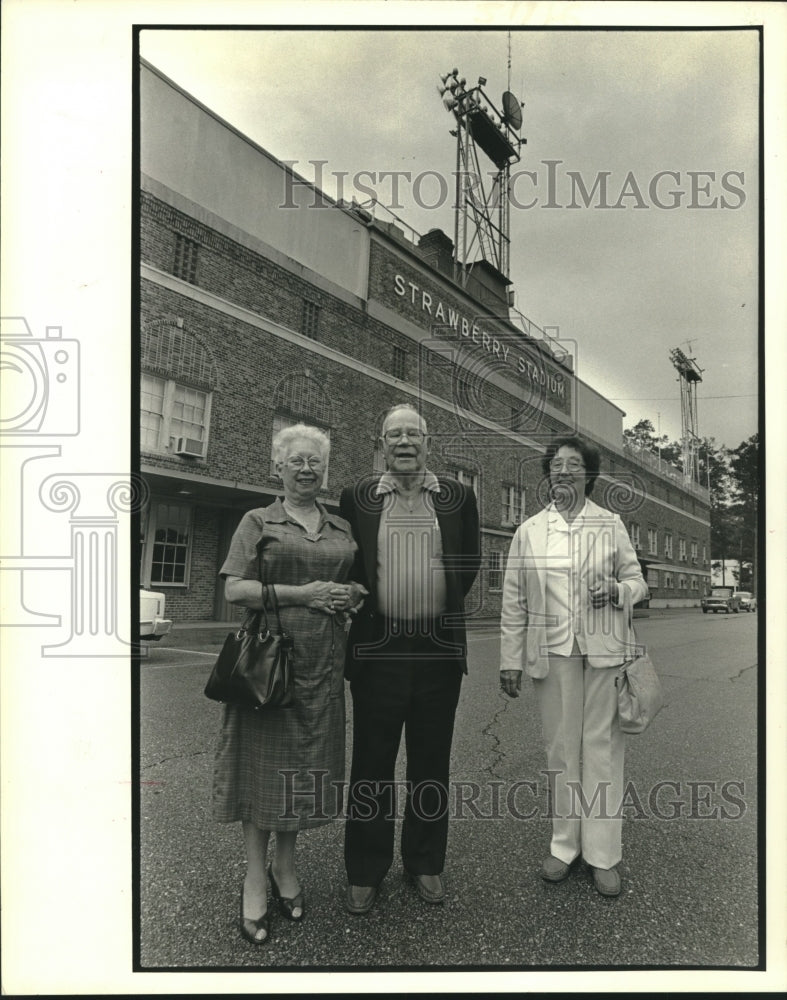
[(512, 112)]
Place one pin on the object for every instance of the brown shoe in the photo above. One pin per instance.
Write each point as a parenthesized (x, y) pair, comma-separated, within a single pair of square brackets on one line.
[(430, 887), (360, 898), (555, 870), (606, 881)]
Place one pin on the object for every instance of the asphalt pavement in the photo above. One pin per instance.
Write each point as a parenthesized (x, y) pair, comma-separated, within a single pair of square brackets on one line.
[(689, 868)]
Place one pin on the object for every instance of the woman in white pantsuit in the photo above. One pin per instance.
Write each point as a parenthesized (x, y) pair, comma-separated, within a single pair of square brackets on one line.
[(571, 578)]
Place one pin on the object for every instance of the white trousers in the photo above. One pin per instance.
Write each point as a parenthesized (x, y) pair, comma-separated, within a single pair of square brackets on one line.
[(584, 744)]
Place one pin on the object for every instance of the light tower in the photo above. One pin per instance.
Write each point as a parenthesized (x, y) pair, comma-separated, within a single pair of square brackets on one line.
[(482, 210), (689, 376)]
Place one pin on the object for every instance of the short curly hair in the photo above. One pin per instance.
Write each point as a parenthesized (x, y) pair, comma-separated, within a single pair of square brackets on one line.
[(590, 456), (287, 435)]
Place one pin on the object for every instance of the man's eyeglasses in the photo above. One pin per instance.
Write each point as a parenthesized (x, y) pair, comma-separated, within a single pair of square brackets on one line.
[(298, 462), (572, 465), (399, 432)]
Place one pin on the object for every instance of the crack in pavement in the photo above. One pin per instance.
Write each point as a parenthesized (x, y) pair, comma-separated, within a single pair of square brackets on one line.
[(487, 731), (708, 680)]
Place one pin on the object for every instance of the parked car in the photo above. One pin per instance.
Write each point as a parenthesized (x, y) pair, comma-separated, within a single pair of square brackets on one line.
[(748, 600), (721, 599), (152, 623)]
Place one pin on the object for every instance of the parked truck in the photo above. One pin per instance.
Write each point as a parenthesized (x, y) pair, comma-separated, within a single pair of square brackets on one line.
[(721, 599)]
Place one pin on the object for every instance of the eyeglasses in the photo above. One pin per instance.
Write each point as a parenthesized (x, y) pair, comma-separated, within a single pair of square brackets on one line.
[(398, 433), (298, 462), (572, 465)]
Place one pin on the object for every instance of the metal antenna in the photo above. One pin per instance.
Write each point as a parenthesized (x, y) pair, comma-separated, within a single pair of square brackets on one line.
[(482, 209), (689, 376), (509, 61)]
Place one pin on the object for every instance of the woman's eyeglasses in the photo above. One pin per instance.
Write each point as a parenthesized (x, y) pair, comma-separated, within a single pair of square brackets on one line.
[(572, 465), (297, 462)]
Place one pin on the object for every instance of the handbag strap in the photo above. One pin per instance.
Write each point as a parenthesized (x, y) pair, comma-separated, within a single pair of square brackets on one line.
[(271, 590), (635, 648)]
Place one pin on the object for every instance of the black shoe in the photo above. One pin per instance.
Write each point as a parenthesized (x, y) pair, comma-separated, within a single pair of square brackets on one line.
[(430, 887), (360, 898), (287, 904), (250, 929)]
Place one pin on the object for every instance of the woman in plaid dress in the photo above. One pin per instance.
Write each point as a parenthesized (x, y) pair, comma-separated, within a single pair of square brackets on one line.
[(282, 769)]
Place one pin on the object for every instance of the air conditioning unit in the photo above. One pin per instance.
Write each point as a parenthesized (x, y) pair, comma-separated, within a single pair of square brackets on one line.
[(190, 447)]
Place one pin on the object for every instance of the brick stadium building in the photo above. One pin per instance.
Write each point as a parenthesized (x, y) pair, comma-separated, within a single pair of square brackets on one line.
[(264, 303)]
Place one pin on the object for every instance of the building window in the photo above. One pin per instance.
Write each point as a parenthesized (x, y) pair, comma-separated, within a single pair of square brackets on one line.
[(184, 264), (668, 581), (682, 550), (694, 583), (495, 571), (694, 552), (280, 421), (635, 535), (668, 546), (171, 351), (682, 582), (704, 556), (512, 505), (310, 321), (174, 418), (399, 365), (466, 478), (653, 578), (653, 542), (166, 545), (302, 396)]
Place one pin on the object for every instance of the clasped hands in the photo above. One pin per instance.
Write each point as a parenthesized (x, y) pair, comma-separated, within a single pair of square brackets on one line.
[(332, 598), (603, 591)]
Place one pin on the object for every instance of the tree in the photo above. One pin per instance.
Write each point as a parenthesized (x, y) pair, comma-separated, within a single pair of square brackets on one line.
[(732, 477), (744, 504), (642, 437)]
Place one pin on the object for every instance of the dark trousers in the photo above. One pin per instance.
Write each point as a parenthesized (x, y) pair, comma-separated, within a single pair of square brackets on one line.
[(416, 687)]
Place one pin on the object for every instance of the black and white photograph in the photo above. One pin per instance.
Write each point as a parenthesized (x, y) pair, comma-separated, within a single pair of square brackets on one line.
[(417, 629)]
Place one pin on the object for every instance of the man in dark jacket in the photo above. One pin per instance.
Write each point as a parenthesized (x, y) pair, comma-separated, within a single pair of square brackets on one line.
[(418, 555)]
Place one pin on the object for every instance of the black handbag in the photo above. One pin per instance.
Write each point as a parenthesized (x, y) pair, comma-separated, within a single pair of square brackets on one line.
[(254, 667)]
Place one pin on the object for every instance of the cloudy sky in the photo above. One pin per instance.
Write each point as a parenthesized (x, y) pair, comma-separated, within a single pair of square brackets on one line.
[(622, 284)]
